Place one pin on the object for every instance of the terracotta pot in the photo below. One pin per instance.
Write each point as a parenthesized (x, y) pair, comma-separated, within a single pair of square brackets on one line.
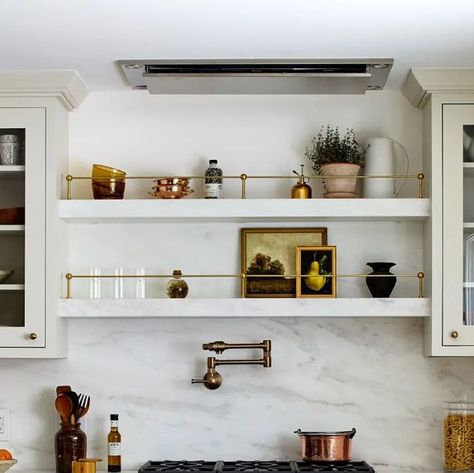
[(342, 187)]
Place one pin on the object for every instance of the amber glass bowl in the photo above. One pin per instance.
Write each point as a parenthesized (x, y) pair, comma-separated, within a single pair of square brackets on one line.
[(107, 182)]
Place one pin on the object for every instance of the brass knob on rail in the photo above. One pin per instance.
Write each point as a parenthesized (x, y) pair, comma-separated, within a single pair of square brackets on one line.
[(33, 336), (454, 334)]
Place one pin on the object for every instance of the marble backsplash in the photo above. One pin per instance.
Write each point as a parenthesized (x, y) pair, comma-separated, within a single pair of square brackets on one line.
[(327, 374)]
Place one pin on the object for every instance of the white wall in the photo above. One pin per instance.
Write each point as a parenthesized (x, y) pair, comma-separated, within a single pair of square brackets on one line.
[(327, 374)]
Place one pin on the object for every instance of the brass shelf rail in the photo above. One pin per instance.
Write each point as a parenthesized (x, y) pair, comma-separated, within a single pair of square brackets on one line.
[(243, 178), (242, 276)]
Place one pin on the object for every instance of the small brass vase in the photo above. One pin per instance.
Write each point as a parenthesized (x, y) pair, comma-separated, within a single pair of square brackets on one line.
[(301, 190)]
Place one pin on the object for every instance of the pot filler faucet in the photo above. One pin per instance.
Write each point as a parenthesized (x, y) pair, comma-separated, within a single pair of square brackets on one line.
[(212, 379)]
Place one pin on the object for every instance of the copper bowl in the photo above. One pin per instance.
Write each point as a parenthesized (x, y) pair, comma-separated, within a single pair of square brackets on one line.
[(326, 446), (171, 188), (170, 181)]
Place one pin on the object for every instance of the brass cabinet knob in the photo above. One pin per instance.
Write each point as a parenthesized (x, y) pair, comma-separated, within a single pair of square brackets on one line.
[(454, 334), (33, 336)]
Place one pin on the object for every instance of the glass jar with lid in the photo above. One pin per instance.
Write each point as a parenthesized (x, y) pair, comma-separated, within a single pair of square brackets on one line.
[(177, 288), (459, 436)]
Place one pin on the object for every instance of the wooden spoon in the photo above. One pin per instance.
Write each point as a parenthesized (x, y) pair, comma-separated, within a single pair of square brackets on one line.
[(64, 407)]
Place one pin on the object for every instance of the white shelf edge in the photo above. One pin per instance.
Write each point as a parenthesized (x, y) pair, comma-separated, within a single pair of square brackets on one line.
[(9, 230), (11, 287), (6, 169), (468, 165), (235, 210), (226, 308)]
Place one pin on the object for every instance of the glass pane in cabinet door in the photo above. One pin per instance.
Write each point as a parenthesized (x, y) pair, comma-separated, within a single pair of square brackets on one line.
[(468, 205), (12, 227)]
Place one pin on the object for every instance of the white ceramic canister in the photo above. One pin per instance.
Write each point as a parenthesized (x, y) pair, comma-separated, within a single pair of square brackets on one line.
[(380, 161)]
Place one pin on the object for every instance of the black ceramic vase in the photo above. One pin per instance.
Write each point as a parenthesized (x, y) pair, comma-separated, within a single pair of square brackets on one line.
[(381, 286)]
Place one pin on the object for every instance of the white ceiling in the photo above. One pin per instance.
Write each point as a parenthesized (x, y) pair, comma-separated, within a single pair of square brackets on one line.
[(89, 35)]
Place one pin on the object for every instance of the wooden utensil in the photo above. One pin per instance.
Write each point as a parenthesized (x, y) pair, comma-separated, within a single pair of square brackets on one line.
[(72, 395), (83, 407), (64, 407), (62, 389)]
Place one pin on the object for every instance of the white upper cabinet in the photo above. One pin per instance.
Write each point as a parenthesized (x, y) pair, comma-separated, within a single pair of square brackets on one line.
[(31, 237), (447, 98)]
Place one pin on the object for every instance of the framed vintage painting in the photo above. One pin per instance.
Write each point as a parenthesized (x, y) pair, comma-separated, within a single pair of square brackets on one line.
[(312, 264), (268, 258)]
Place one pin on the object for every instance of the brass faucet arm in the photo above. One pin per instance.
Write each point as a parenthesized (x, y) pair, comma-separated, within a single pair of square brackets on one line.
[(239, 362), (220, 346)]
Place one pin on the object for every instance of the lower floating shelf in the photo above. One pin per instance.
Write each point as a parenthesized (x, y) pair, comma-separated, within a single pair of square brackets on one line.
[(225, 308)]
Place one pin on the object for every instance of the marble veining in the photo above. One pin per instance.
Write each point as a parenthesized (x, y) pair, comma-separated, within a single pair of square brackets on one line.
[(327, 374)]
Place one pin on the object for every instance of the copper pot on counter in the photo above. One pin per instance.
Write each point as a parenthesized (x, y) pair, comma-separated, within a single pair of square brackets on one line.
[(326, 446)]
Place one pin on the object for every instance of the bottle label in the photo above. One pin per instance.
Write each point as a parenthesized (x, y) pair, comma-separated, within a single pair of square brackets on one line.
[(213, 191), (115, 449)]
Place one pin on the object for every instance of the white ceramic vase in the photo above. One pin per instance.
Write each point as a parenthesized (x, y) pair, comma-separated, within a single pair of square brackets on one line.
[(380, 161)]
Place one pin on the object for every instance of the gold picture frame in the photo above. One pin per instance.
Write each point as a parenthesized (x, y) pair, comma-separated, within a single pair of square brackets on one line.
[(278, 245), (316, 261)]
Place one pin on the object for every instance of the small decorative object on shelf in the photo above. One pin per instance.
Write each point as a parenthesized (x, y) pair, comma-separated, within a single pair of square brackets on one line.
[(381, 286), (177, 288), (381, 161), (213, 181), (10, 150), (107, 182), (333, 155), (171, 188), (314, 263), (459, 436), (278, 275), (301, 190)]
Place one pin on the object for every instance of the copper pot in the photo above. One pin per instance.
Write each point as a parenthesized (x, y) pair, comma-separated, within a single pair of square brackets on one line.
[(326, 446)]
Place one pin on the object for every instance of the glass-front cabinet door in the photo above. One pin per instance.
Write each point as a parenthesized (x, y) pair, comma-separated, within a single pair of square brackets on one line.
[(22, 227), (458, 224)]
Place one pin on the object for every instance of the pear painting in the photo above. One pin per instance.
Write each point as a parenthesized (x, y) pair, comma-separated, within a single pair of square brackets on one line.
[(315, 279), (317, 268)]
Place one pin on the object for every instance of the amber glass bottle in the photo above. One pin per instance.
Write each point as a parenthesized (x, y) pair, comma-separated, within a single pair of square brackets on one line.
[(114, 440)]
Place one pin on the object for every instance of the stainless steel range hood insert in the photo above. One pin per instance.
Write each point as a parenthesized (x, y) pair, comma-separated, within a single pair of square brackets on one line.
[(257, 76)]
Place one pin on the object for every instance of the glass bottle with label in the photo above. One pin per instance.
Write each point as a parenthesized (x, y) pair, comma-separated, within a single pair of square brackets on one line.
[(114, 440), (213, 181)]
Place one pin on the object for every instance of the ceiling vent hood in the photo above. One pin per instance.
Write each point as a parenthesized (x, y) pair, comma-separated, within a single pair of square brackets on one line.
[(257, 76)]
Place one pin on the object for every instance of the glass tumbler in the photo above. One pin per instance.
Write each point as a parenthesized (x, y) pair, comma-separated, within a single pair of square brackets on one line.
[(459, 436)]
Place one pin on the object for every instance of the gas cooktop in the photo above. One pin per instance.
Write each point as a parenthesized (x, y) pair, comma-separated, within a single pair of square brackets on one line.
[(241, 466)]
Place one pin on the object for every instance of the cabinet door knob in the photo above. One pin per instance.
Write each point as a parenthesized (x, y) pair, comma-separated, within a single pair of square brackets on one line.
[(454, 334), (33, 336)]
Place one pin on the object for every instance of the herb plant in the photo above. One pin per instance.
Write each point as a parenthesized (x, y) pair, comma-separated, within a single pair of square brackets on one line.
[(329, 147)]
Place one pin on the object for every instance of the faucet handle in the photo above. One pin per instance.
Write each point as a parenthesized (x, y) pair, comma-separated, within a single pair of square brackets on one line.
[(217, 346)]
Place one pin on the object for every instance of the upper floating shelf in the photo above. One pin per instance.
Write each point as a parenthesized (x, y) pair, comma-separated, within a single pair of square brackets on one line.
[(242, 210)]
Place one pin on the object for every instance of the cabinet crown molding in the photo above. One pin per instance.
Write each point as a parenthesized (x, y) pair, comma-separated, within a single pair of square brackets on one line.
[(422, 82), (66, 85)]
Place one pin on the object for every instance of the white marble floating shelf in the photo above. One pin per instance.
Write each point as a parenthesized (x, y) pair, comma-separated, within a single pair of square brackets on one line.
[(242, 210), (339, 307)]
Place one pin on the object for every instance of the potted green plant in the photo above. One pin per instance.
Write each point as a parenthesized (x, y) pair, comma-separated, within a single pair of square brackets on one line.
[(332, 154)]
